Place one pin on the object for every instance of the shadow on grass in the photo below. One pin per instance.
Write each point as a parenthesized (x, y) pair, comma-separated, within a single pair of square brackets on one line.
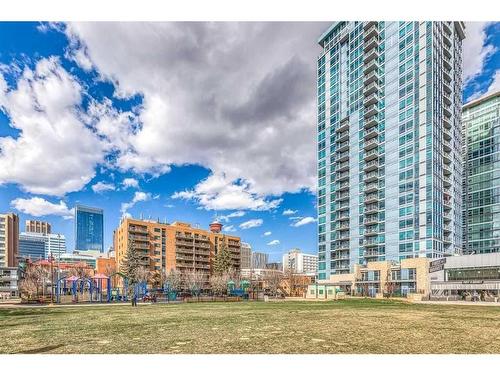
[(26, 311), (43, 349)]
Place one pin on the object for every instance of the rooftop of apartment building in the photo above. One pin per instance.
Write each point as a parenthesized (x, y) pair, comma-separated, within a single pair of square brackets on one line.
[(481, 100), (298, 251), (214, 227)]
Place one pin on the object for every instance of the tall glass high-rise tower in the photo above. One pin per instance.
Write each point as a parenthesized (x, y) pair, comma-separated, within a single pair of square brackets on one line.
[(481, 124), (389, 142), (89, 228)]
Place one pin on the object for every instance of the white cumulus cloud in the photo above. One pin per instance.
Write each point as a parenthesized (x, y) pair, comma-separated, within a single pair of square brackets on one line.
[(251, 223), (303, 221), (217, 192), (268, 233), (289, 212), (273, 243), (37, 207), (139, 196), (256, 132), (229, 228), (228, 217), (55, 151), (102, 187), (130, 183), (476, 49)]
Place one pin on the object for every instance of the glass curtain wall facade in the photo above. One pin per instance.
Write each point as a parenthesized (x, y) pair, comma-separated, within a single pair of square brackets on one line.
[(481, 124), (89, 228), (31, 247), (389, 142)]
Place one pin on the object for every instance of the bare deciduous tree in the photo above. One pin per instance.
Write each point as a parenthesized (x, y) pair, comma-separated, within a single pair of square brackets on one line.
[(173, 280), (30, 282), (157, 278), (42, 277), (109, 270), (142, 274), (218, 283), (296, 283), (195, 281), (80, 270), (273, 281)]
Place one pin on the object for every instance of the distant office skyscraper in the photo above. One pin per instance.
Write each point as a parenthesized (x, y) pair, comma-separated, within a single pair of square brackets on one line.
[(390, 162), (89, 228), (32, 246), (36, 226), (481, 124), (53, 244), (246, 255), (259, 260)]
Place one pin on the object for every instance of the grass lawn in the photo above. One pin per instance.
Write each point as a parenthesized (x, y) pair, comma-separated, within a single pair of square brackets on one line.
[(350, 326)]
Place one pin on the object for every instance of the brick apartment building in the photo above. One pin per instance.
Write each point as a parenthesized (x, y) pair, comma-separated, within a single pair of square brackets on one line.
[(174, 246)]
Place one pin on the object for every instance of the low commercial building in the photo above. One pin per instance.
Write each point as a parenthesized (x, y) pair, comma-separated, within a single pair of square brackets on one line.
[(466, 276), (67, 263), (376, 279), (9, 278), (106, 266), (258, 273), (77, 258)]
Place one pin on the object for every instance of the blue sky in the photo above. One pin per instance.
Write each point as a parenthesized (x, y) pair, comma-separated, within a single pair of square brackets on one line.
[(165, 121)]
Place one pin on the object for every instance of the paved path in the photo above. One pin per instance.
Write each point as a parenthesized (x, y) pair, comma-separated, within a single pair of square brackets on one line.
[(460, 303)]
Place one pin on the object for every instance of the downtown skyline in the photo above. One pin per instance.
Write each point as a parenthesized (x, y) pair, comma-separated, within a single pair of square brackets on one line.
[(256, 182)]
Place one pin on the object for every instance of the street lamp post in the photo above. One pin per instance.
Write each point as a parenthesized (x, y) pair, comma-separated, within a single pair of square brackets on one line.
[(58, 262), (51, 279)]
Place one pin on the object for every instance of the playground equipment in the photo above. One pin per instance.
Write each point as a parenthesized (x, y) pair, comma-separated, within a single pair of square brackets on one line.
[(242, 291), (119, 293), (97, 288), (88, 289)]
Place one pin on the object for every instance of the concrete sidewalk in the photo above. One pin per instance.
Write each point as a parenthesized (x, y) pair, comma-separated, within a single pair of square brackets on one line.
[(459, 303)]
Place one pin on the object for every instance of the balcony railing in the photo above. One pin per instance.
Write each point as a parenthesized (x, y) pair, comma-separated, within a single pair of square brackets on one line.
[(371, 77), (372, 187), (343, 146), (371, 139), (136, 229), (371, 110), (371, 165), (372, 197), (371, 88), (369, 56), (371, 121), (371, 220), (371, 32), (371, 44)]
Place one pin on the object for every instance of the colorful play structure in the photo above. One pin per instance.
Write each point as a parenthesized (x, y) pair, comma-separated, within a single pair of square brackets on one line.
[(114, 288), (97, 288)]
